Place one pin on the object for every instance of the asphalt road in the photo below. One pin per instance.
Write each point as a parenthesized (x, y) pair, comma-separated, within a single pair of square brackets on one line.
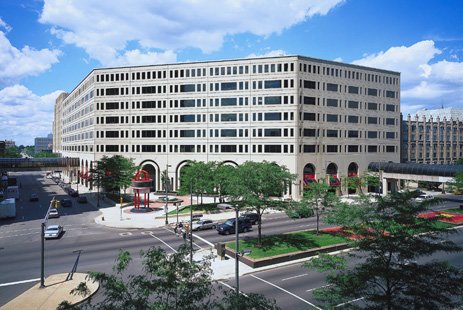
[(290, 285)]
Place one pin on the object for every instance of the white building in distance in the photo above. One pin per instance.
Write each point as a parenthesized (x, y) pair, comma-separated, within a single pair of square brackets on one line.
[(318, 118)]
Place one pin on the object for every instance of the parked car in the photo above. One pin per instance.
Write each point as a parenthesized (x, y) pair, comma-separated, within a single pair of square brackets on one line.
[(82, 199), (66, 203), (72, 192), (53, 213), (422, 198), (34, 197), (224, 206), (53, 231), (253, 217), (417, 192), (204, 224), (228, 227)]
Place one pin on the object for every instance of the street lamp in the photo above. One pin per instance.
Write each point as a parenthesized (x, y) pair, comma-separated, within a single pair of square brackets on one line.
[(237, 258), (191, 221), (166, 179), (42, 256)]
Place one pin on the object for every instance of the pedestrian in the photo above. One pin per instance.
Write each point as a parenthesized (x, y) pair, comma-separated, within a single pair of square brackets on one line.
[(176, 229)]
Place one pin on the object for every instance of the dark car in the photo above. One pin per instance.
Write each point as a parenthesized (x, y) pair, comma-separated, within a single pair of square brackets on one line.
[(34, 197), (66, 203), (73, 193), (253, 217), (228, 227), (82, 199)]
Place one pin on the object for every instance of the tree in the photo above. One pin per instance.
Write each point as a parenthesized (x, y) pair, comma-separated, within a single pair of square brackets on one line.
[(390, 238), (167, 281), (223, 176), (457, 184), (118, 172), (44, 154), (317, 200), (257, 184), (459, 161), (201, 176), (12, 152), (371, 179), (165, 180)]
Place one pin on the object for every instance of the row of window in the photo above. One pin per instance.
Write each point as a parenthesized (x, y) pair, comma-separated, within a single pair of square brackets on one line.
[(350, 104), (348, 89), (355, 134), (351, 119), (354, 148)]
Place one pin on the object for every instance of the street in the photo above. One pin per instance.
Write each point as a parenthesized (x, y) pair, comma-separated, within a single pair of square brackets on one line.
[(290, 285)]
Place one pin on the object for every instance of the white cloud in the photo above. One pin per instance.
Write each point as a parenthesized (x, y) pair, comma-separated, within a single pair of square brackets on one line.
[(268, 54), (16, 64), (137, 58), (5, 26), (425, 82), (25, 115), (169, 26)]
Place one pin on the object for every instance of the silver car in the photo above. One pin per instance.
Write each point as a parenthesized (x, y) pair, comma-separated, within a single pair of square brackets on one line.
[(53, 231), (204, 224), (53, 213)]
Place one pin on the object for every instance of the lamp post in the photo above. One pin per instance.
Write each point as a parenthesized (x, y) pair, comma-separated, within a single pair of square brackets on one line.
[(42, 237), (237, 257), (166, 179), (191, 221)]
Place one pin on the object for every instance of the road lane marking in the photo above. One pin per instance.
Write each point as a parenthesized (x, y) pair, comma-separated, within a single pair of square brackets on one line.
[(316, 288), (350, 301), (125, 234), (164, 243), (231, 287), (194, 236), (288, 292), (298, 276), (19, 282)]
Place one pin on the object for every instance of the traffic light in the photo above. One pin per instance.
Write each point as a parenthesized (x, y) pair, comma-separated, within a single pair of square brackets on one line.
[(57, 204)]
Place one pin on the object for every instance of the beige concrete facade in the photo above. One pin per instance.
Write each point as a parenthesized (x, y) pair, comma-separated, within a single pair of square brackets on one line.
[(313, 116)]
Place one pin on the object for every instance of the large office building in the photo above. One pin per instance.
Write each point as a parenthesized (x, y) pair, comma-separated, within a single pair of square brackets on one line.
[(321, 119), (43, 144), (433, 136)]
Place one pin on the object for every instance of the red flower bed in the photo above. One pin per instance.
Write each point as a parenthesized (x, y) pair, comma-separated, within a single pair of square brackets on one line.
[(448, 217), (343, 232)]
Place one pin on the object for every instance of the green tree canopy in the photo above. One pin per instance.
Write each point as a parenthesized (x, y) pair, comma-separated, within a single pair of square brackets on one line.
[(12, 152), (386, 274), (116, 172)]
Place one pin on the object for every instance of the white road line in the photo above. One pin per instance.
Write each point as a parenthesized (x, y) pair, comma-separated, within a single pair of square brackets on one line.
[(19, 282), (164, 243), (231, 287), (316, 288), (203, 240), (288, 292), (348, 302), (298, 276)]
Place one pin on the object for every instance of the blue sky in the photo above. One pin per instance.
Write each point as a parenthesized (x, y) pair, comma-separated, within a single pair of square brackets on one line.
[(49, 46)]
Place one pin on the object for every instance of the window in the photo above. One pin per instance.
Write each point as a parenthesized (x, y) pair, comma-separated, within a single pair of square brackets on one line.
[(352, 148), (148, 133), (309, 116), (309, 148), (148, 119), (112, 91), (309, 100), (188, 118), (353, 104), (390, 121), (275, 116), (331, 87), (352, 134), (112, 119), (353, 90), (390, 107), (112, 134), (228, 86), (272, 132), (332, 118), (187, 103), (187, 88), (331, 148), (228, 117), (228, 102), (372, 149), (112, 105), (112, 148), (187, 133), (331, 133), (390, 148), (148, 104), (372, 92), (372, 135), (272, 100), (272, 84), (390, 94), (352, 119), (227, 148), (272, 148), (309, 132), (187, 148), (390, 135), (310, 84), (372, 106), (228, 133), (331, 102), (372, 120), (148, 148)]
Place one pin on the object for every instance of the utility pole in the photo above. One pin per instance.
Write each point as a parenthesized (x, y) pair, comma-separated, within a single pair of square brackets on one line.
[(166, 180), (237, 258), (191, 221), (42, 237)]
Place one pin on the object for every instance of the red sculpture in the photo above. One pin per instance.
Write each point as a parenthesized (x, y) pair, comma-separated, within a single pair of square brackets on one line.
[(141, 183)]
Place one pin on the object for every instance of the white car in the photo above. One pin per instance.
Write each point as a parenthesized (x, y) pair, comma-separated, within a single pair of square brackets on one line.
[(204, 224), (53, 231), (53, 213), (422, 198)]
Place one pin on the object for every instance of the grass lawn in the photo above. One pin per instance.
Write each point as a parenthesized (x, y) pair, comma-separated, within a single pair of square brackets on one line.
[(456, 210), (204, 207), (287, 243)]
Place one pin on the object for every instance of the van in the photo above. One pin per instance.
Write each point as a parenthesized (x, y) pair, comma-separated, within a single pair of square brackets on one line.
[(12, 192)]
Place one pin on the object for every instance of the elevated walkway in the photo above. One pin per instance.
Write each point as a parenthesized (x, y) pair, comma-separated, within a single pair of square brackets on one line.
[(37, 164)]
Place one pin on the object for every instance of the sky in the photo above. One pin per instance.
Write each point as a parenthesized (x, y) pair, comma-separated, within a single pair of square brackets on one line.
[(49, 46)]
